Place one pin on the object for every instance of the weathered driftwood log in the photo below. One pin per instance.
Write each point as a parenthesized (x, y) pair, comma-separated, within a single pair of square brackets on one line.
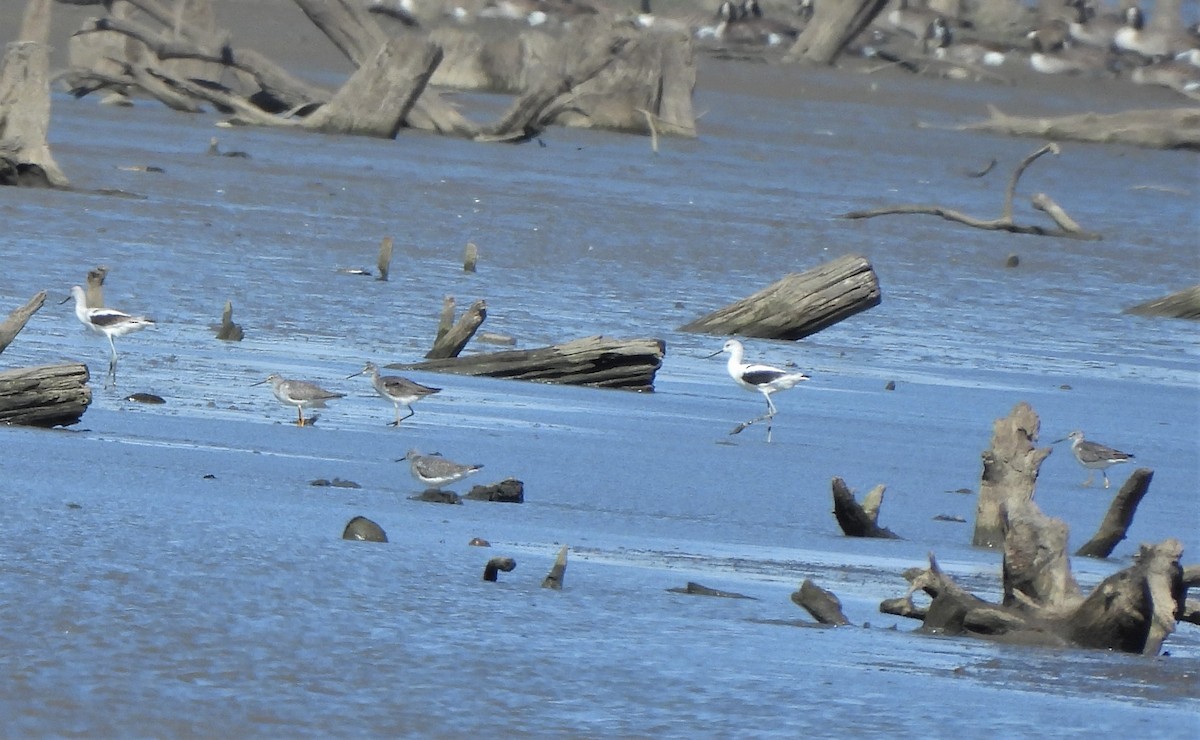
[(554, 579), (799, 304), (1184, 304), (859, 520), (1177, 128), (824, 606), (627, 364), (16, 320), (25, 158), (507, 491), (1066, 226), (48, 396), (831, 28), (449, 343), (1036, 569), (363, 529), (491, 571), (695, 589), (1120, 515), (1010, 471)]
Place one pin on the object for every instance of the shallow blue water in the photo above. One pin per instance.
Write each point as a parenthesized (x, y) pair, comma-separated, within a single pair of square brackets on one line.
[(143, 598)]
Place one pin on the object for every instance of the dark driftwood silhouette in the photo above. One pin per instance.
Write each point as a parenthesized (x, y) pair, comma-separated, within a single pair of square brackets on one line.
[(507, 491), (229, 331), (824, 606), (627, 364), (554, 579), (1120, 515), (855, 519), (799, 304), (1174, 128), (1010, 468), (25, 158), (1184, 304), (492, 570), (1066, 225), (47, 396), (695, 589)]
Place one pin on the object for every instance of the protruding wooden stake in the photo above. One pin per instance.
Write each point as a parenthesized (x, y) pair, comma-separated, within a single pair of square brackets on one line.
[(824, 606), (554, 579), (453, 340), (470, 257), (385, 257), (229, 331), (95, 286)]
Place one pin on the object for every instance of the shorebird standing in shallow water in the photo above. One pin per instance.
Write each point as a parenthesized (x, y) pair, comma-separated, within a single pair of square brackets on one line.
[(1094, 456), (400, 391), (107, 321), (299, 393), (436, 471), (762, 378)]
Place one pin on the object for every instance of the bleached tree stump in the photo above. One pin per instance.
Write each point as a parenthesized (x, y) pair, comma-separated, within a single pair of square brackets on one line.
[(1010, 472), (25, 157)]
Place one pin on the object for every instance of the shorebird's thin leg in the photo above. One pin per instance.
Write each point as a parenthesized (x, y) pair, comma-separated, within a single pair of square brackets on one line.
[(395, 423), (1090, 478), (299, 415), (1105, 474), (410, 413)]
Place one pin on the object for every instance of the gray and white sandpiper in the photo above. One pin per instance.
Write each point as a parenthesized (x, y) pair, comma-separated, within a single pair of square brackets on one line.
[(299, 393), (1094, 456), (435, 471), (400, 391)]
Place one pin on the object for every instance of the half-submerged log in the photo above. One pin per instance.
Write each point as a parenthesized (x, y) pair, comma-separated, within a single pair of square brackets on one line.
[(627, 364), (492, 570), (229, 331), (47, 396), (507, 491), (1120, 515), (824, 606), (1010, 471), (1177, 128), (1182, 305), (799, 304), (695, 589), (831, 28), (855, 519), (554, 579)]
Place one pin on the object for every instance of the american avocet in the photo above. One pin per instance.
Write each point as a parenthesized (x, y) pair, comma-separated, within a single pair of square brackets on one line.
[(299, 393), (1094, 456), (400, 391), (107, 321), (762, 378), (436, 471)]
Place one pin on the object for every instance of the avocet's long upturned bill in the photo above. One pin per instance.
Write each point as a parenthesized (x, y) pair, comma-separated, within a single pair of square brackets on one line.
[(400, 391), (761, 378), (107, 321), (1094, 456), (436, 471), (299, 393)]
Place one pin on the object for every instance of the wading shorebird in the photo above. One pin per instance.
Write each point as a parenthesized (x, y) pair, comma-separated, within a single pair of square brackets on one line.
[(761, 378), (107, 321), (435, 471), (1094, 456), (299, 393), (400, 391)]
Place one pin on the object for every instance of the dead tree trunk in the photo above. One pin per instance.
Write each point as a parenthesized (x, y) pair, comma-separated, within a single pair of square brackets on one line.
[(832, 26), (799, 304), (1036, 569), (16, 320), (1120, 515), (48, 396), (25, 157), (859, 520), (1010, 471), (1184, 304), (627, 364), (554, 579), (824, 606)]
